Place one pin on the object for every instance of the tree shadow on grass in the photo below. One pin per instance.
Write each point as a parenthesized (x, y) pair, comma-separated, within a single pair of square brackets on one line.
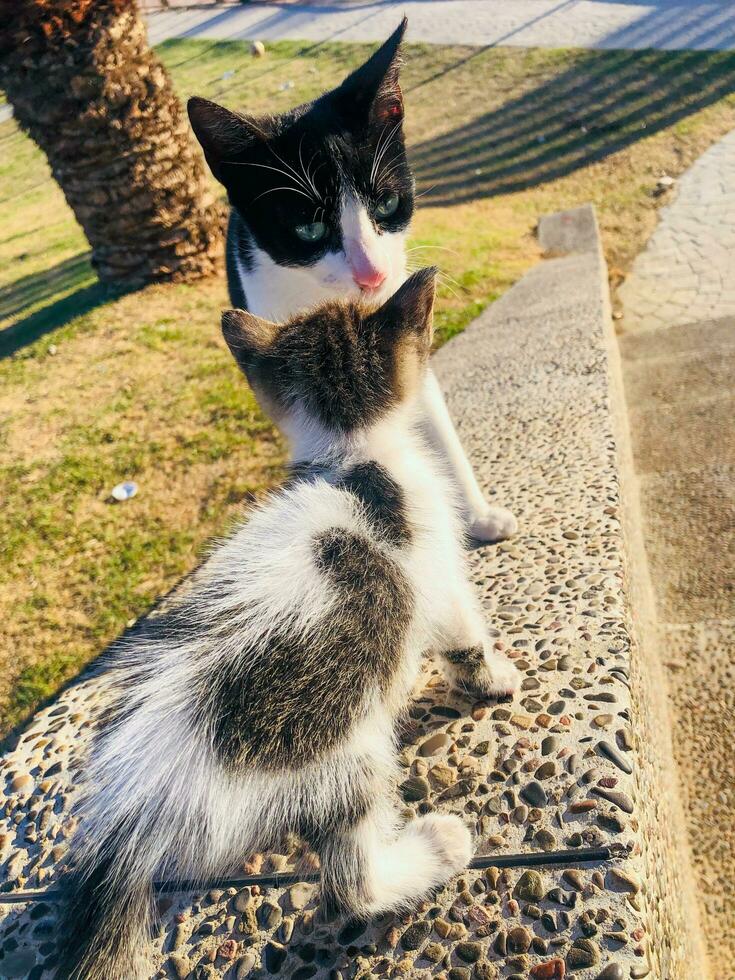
[(604, 103), (39, 287)]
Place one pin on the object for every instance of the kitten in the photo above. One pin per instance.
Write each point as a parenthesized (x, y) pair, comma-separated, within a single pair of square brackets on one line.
[(322, 197), (265, 702)]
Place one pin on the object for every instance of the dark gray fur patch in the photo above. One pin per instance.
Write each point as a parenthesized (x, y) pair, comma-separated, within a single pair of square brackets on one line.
[(287, 706), (382, 498), (470, 657), (341, 362)]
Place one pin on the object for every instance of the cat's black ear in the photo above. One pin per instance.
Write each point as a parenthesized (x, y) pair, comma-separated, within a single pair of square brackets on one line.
[(372, 92), (247, 335), (223, 134), (411, 307)]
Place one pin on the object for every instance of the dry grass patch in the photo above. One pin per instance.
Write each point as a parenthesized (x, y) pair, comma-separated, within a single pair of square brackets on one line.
[(102, 389)]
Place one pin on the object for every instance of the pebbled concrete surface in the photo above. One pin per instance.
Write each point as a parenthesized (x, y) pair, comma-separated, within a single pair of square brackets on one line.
[(678, 350), (664, 24), (573, 760)]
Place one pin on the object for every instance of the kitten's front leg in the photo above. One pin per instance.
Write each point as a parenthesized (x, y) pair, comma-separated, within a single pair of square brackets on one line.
[(485, 522), (473, 667)]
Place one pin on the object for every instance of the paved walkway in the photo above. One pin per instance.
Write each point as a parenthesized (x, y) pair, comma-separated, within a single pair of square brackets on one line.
[(663, 24), (687, 272), (678, 351)]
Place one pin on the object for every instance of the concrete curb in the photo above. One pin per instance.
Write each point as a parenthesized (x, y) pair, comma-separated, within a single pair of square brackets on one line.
[(581, 757), (680, 950)]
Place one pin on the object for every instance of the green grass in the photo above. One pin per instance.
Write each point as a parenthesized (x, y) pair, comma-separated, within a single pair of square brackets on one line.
[(141, 387)]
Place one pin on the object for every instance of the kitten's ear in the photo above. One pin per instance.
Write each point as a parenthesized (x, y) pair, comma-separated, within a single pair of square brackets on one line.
[(373, 91), (223, 134), (411, 307), (247, 335)]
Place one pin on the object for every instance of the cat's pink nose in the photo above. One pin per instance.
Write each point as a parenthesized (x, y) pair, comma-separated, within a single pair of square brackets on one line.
[(369, 279), (365, 271)]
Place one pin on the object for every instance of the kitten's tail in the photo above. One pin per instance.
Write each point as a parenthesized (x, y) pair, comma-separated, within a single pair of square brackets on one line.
[(107, 913)]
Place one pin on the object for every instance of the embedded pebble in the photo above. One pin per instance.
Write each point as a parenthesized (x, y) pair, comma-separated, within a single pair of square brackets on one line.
[(530, 887), (518, 940), (551, 970), (626, 880), (299, 895), (434, 744), (274, 957), (615, 796), (583, 953), (546, 770), (242, 900), (269, 916), (545, 839), (606, 749), (245, 966), (469, 952), (534, 793), (180, 965), (612, 971), (415, 935), (574, 878), (415, 788)]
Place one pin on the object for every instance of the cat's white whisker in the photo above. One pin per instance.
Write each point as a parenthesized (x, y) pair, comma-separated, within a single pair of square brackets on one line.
[(293, 172), (380, 154), (447, 277), (377, 150), (442, 248), (272, 190), (310, 183), (265, 166)]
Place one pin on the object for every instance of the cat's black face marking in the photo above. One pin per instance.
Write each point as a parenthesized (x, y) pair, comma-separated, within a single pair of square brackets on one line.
[(382, 498), (289, 177), (344, 365)]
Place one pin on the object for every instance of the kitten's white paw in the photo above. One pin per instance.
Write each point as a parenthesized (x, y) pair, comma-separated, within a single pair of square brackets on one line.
[(493, 524), (450, 838), (504, 678), (496, 677)]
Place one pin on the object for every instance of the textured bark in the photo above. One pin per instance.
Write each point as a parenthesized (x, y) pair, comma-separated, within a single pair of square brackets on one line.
[(87, 88)]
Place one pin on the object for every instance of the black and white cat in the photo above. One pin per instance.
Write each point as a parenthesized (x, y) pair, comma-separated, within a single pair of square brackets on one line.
[(265, 701), (322, 197)]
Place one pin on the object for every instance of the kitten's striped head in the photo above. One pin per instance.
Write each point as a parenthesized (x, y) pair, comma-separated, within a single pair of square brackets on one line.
[(342, 366), (326, 187)]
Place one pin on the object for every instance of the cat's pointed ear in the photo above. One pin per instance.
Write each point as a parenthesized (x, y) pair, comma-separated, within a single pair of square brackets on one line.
[(247, 335), (373, 90), (223, 134), (411, 307)]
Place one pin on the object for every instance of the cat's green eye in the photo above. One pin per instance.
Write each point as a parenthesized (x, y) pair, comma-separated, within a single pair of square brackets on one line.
[(313, 232), (387, 205)]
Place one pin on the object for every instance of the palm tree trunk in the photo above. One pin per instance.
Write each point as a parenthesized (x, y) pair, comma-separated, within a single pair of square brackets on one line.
[(87, 88)]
